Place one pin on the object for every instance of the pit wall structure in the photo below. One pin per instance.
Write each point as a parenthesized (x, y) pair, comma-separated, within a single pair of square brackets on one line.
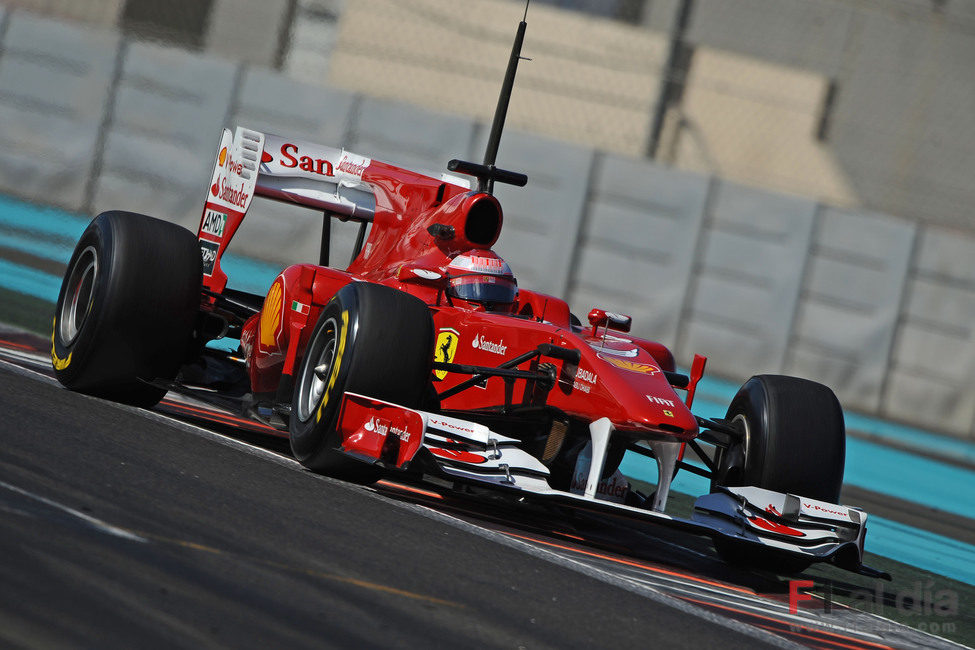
[(880, 308)]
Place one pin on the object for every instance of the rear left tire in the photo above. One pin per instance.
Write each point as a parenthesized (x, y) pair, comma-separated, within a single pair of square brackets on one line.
[(127, 307)]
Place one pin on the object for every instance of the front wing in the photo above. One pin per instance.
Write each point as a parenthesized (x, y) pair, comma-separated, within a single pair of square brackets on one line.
[(377, 431)]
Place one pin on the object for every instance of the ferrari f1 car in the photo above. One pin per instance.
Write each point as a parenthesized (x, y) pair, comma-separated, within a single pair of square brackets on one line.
[(424, 357)]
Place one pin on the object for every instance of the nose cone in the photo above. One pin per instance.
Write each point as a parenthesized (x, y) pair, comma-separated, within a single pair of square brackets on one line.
[(624, 383), (646, 397)]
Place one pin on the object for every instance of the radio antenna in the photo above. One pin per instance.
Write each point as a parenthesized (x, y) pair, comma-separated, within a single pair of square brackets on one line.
[(494, 140), (486, 173)]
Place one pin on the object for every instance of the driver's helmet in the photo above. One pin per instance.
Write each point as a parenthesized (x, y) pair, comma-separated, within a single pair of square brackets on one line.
[(480, 276)]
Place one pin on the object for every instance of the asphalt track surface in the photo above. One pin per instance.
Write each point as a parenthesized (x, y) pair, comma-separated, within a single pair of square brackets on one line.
[(179, 528), (192, 542)]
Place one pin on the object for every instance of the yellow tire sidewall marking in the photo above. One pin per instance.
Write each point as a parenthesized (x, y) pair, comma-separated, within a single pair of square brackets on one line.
[(336, 366), (56, 361)]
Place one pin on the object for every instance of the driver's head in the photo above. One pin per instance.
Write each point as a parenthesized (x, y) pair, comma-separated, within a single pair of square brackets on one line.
[(481, 277)]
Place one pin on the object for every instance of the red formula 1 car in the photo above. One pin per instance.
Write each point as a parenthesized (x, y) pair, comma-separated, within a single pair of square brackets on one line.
[(425, 357)]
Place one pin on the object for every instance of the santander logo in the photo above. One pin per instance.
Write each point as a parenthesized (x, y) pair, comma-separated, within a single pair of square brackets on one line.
[(377, 426), (383, 427), (481, 343), (352, 167), (224, 191), (292, 158)]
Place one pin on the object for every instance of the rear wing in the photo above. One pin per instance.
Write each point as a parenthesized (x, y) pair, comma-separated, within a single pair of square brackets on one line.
[(250, 163)]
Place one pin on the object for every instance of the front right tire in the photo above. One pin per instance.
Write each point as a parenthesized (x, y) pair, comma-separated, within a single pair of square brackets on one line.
[(795, 438), (794, 442)]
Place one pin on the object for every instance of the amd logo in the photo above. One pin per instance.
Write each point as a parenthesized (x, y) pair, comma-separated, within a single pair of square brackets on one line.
[(214, 223)]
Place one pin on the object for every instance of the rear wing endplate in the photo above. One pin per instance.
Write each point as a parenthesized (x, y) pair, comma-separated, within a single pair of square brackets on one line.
[(250, 163)]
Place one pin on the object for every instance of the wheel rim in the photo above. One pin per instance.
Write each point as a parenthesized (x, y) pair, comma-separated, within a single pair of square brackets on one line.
[(745, 440), (78, 295), (317, 369)]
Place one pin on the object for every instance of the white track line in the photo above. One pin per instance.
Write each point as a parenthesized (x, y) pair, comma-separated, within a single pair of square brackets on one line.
[(98, 524)]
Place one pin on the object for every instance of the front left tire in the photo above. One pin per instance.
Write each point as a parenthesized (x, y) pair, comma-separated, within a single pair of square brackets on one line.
[(369, 339)]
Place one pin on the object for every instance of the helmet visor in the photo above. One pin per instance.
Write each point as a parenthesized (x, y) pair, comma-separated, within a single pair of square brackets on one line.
[(483, 288)]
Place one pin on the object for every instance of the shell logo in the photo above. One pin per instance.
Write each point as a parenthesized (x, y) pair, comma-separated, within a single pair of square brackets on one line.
[(632, 366), (222, 158), (271, 315)]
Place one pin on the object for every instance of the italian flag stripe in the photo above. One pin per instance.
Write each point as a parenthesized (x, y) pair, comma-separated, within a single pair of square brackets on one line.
[(299, 307)]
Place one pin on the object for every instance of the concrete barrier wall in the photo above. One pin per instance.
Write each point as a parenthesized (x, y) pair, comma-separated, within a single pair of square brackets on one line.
[(541, 224), (880, 308), (272, 103), (850, 303), (161, 132), (55, 88), (408, 136), (751, 263), (637, 245), (933, 361)]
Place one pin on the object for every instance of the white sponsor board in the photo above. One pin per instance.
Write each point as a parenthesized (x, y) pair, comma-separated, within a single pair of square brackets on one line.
[(298, 159), (235, 171)]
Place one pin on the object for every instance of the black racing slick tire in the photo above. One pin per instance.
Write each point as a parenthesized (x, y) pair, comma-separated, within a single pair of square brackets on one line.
[(794, 442), (372, 340), (795, 439), (127, 307)]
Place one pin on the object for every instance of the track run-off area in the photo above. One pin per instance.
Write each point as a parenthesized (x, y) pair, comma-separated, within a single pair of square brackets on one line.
[(186, 525)]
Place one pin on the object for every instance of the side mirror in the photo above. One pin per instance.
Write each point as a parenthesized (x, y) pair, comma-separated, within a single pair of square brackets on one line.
[(601, 318), (415, 274)]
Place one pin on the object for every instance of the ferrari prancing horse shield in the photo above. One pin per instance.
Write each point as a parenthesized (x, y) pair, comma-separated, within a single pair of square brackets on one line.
[(445, 349)]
